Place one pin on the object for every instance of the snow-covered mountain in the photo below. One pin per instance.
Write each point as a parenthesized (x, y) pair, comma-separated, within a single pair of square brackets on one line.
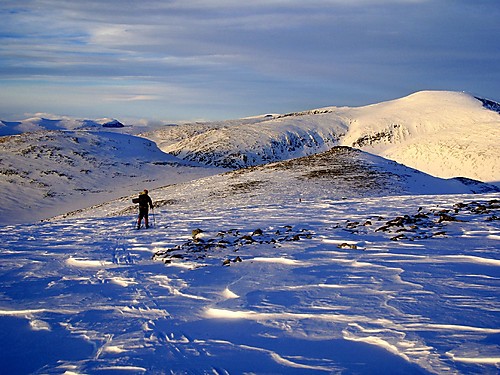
[(40, 123), (252, 142), (335, 260), (446, 134)]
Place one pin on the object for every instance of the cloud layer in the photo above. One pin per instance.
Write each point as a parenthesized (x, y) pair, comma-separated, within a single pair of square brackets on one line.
[(221, 59)]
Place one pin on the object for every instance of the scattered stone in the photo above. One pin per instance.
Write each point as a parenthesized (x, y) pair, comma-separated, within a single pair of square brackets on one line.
[(247, 238), (346, 245), (204, 244), (421, 215), (196, 232), (383, 228), (352, 224), (423, 224), (398, 221), (227, 262), (446, 217), (399, 237)]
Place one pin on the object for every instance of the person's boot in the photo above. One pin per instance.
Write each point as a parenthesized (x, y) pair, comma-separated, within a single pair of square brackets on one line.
[(146, 223)]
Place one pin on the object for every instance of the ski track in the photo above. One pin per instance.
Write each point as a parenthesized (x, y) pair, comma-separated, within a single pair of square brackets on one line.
[(84, 295)]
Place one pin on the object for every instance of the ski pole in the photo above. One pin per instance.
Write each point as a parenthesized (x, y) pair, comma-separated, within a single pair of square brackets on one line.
[(154, 219)]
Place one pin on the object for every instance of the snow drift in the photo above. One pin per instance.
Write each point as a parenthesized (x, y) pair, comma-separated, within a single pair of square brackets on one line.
[(393, 285)]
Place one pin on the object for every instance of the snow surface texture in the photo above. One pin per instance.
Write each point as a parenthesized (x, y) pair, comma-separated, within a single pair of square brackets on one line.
[(327, 286)]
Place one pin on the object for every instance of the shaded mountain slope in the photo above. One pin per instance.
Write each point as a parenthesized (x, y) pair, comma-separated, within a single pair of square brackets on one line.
[(47, 173), (253, 143)]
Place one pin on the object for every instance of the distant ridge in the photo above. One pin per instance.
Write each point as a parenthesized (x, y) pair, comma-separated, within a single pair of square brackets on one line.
[(445, 134), (40, 123)]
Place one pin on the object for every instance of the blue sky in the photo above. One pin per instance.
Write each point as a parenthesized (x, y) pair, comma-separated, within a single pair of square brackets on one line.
[(219, 59)]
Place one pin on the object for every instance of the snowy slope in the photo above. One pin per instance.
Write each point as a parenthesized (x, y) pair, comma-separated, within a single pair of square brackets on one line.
[(252, 143), (47, 173), (174, 133), (446, 134), (390, 285), (339, 173)]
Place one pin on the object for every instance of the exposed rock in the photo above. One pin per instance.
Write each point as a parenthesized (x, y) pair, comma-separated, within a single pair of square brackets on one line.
[(204, 244), (346, 245), (429, 224), (113, 124), (446, 217), (490, 104), (196, 232)]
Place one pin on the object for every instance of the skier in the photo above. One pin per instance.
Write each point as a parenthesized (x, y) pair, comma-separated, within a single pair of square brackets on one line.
[(145, 203)]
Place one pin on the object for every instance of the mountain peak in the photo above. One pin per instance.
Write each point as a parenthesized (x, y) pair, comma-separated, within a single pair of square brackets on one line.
[(113, 124)]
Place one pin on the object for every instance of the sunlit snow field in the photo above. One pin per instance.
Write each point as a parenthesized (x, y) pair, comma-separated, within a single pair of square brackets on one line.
[(326, 292)]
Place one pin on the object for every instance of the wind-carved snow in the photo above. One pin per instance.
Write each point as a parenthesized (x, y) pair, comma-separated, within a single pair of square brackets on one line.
[(344, 297)]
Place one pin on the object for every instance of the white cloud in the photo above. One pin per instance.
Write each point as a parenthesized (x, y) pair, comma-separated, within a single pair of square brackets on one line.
[(249, 55)]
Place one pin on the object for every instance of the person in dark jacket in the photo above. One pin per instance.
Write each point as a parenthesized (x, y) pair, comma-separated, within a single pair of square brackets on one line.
[(145, 203)]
